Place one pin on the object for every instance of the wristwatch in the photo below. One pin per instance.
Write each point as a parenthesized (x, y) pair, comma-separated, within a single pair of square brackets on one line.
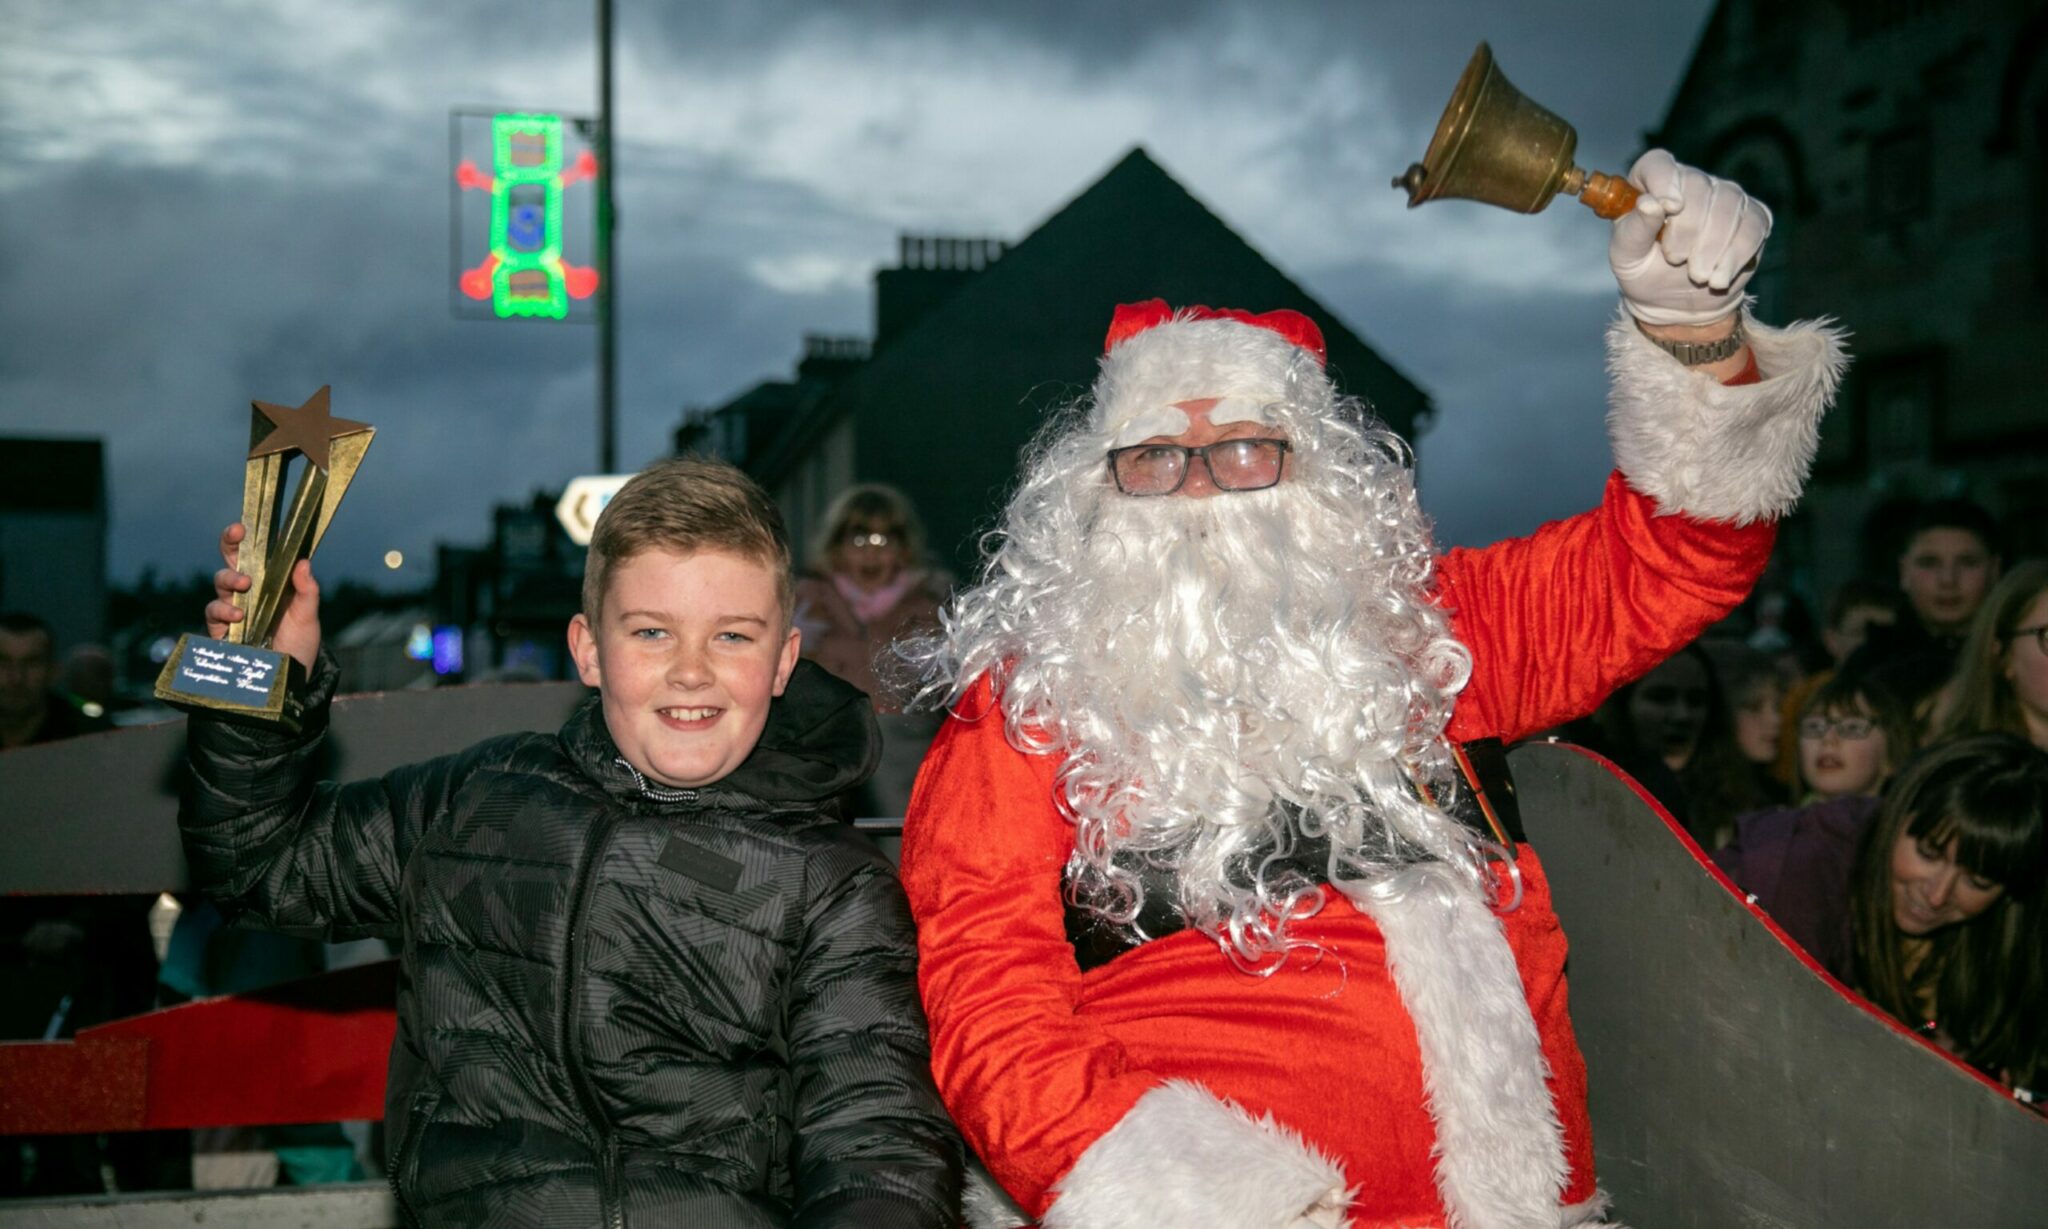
[(1694, 353)]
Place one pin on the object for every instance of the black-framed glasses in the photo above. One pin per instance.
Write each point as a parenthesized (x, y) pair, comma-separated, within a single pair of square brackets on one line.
[(1855, 729), (2039, 632), (868, 537), (1233, 465)]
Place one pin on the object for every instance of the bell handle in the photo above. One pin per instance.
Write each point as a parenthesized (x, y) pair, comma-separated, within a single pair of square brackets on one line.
[(1608, 196)]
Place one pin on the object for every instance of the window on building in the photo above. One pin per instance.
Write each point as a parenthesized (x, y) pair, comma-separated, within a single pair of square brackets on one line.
[(729, 435), (1901, 406), (2037, 176), (1763, 171), (1868, 17), (1901, 175), (2026, 518)]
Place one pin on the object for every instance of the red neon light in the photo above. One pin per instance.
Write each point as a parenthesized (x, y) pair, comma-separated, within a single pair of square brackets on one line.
[(476, 283), (467, 176), (585, 167)]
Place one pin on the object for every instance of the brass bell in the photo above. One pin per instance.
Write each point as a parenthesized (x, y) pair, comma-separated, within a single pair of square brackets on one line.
[(1497, 146)]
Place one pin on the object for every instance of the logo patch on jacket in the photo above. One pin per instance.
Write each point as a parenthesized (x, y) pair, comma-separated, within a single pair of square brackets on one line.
[(710, 869)]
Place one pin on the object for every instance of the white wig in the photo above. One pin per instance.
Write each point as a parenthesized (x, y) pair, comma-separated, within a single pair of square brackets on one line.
[(1221, 678)]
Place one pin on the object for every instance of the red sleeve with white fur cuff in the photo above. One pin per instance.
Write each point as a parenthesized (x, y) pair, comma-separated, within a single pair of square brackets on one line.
[(1183, 1156), (1721, 452)]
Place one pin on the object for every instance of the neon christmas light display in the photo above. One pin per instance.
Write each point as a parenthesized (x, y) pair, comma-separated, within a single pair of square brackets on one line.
[(525, 274)]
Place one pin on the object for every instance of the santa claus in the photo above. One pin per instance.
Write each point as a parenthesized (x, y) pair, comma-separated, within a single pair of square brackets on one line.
[(1204, 942)]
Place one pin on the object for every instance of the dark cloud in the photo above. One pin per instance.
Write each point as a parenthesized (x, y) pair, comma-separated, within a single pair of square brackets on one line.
[(259, 288), (1609, 67), (1519, 387), (208, 205)]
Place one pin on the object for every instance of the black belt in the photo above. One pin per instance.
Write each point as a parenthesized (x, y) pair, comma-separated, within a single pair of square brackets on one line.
[(1487, 806)]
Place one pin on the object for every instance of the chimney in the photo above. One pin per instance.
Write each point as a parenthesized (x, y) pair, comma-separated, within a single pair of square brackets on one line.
[(830, 358), (930, 268)]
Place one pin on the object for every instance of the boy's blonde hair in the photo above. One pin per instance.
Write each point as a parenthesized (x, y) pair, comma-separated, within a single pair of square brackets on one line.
[(685, 505)]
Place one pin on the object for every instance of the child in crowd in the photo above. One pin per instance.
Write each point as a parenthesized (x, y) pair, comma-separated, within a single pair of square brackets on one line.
[(1852, 733), (648, 977), (1857, 609), (1756, 698)]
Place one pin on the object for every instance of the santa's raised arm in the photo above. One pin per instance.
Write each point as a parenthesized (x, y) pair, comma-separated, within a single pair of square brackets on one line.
[(1197, 946)]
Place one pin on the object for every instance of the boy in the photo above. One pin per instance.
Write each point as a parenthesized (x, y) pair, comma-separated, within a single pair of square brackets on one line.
[(648, 978)]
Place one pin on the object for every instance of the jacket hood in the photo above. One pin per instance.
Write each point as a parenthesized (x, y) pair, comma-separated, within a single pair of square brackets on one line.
[(819, 742)]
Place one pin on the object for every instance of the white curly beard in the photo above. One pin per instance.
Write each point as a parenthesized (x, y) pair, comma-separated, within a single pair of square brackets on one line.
[(1224, 677)]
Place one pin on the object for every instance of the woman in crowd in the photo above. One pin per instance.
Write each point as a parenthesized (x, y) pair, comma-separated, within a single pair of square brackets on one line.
[(867, 587), (2001, 678), (1931, 903)]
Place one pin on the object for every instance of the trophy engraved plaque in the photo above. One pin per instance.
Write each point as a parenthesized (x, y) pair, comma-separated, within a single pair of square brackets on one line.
[(241, 677)]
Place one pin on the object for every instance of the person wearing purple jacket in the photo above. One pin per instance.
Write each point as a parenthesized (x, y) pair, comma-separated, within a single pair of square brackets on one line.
[(1796, 863), (1931, 902)]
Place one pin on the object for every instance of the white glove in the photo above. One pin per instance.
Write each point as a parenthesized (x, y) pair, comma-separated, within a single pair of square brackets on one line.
[(1713, 232)]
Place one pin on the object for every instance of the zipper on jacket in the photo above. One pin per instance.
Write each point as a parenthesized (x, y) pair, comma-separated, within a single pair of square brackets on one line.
[(608, 1194), (407, 1214)]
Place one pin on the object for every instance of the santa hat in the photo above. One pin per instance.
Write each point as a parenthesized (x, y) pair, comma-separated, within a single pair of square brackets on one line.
[(1158, 361)]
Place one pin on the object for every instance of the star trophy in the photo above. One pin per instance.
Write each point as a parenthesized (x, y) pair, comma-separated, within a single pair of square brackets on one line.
[(242, 678)]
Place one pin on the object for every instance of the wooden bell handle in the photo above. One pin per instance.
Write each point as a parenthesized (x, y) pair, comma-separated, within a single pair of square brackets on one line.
[(1609, 196)]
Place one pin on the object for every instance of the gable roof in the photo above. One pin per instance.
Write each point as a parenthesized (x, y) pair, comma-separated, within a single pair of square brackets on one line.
[(971, 380), (1135, 200)]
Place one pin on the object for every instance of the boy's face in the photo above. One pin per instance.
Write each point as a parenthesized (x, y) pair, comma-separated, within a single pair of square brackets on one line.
[(1945, 574), (687, 653)]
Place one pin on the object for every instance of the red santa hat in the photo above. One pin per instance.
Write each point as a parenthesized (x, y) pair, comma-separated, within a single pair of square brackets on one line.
[(1159, 361)]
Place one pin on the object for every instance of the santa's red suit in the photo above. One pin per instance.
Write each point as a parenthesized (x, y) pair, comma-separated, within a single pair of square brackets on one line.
[(1168, 1068)]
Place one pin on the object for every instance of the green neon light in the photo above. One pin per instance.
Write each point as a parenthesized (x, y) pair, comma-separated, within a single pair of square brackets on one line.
[(527, 158)]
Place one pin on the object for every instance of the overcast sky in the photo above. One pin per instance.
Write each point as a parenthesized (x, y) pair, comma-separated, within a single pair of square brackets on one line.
[(204, 203)]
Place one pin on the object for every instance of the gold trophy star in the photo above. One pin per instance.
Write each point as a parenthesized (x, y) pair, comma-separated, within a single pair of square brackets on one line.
[(308, 428)]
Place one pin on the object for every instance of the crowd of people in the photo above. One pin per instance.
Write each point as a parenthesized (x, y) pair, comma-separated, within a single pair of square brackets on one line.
[(1880, 789)]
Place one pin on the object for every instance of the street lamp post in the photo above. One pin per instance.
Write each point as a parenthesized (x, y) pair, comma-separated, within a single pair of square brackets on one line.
[(607, 271)]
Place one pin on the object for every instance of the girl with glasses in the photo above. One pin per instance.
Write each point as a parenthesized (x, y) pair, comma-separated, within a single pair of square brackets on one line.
[(1852, 733)]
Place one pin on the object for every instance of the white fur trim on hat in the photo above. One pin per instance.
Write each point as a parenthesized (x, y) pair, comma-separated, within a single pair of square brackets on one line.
[(1246, 367), (1714, 451), (1183, 1158)]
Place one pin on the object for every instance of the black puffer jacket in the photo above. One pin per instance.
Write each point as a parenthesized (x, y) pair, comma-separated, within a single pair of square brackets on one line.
[(614, 1009)]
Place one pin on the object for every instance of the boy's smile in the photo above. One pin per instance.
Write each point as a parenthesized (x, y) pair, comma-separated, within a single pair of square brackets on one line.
[(687, 652)]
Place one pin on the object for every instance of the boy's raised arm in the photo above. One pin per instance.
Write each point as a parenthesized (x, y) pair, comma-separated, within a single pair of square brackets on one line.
[(875, 1148), (266, 839)]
